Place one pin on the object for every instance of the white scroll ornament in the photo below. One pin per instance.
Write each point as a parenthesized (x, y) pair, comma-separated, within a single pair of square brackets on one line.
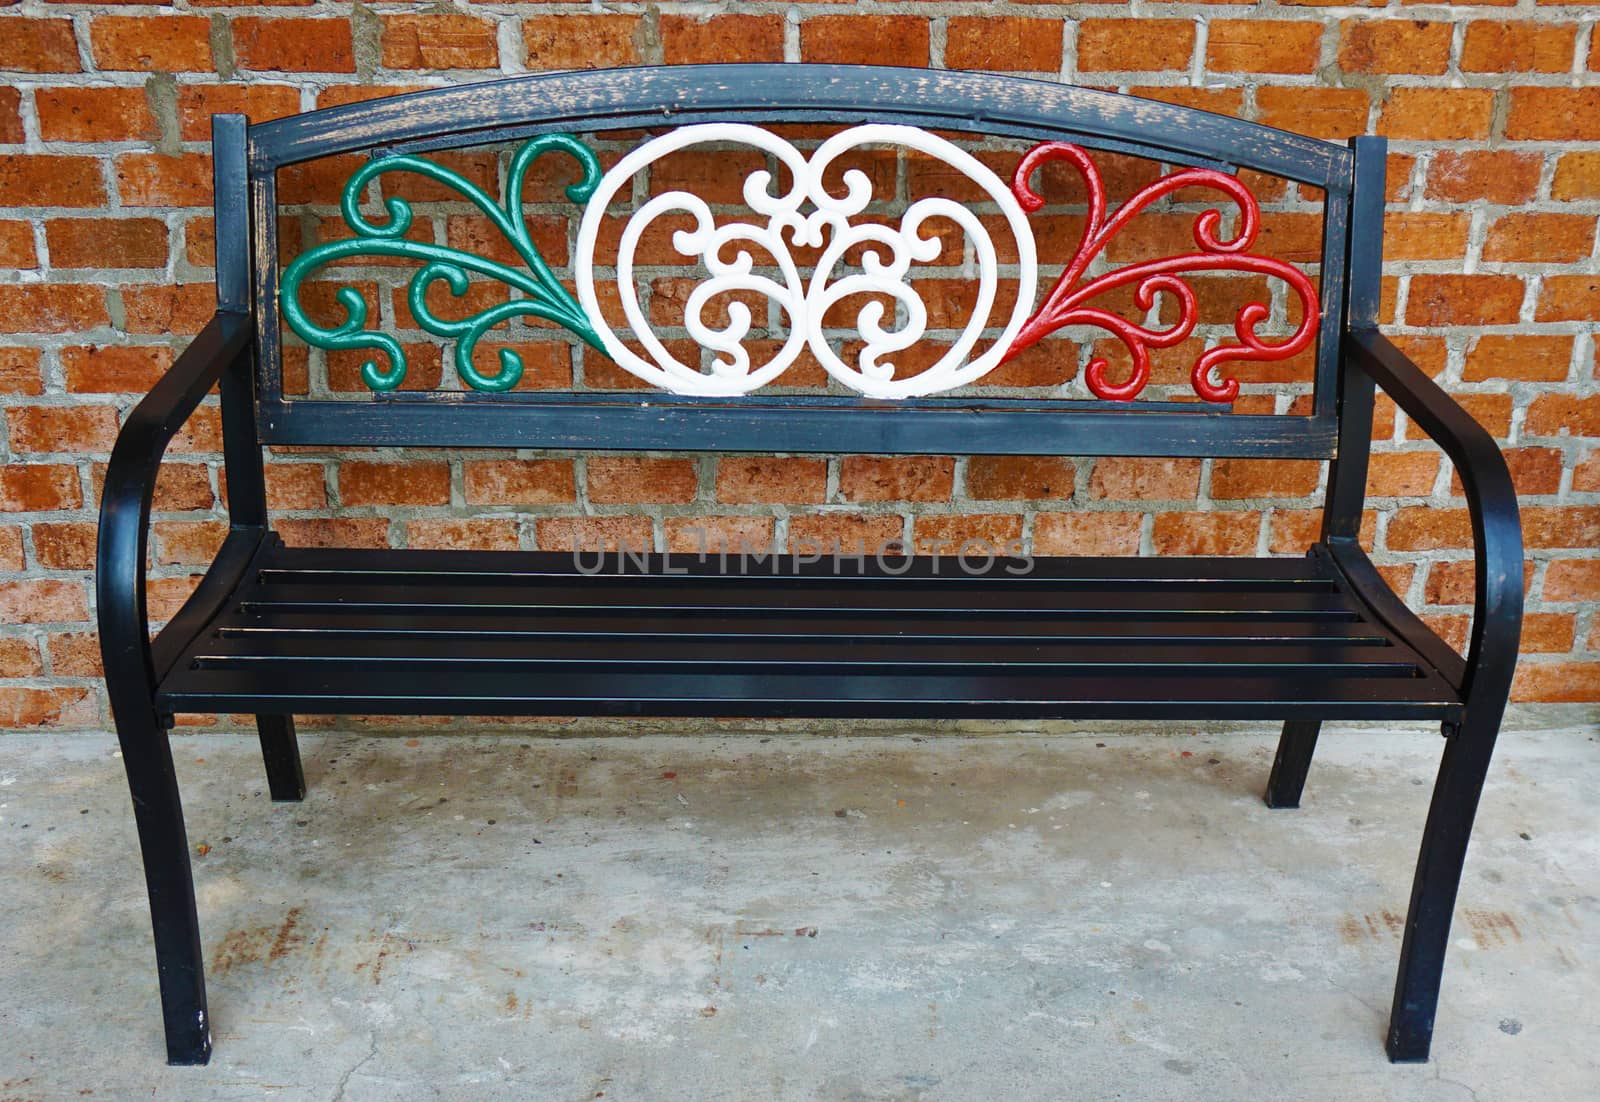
[(886, 263)]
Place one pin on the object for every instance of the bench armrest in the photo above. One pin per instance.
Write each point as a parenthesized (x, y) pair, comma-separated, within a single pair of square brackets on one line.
[(1491, 502), (129, 487)]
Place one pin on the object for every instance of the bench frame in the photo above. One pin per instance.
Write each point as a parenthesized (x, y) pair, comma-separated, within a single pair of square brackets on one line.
[(237, 351)]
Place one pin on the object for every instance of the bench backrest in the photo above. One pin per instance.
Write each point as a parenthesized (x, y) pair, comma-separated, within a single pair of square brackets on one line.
[(737, 407)]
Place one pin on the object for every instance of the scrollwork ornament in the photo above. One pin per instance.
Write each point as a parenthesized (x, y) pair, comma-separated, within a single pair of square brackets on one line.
[(543, 296)]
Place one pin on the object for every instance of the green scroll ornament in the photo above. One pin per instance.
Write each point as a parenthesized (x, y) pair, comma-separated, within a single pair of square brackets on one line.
[(545, 296)]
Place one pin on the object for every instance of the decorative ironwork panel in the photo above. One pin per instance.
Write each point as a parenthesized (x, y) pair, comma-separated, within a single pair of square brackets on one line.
[(864, 263)]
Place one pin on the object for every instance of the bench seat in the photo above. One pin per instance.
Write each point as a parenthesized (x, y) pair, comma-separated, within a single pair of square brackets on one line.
[(462, 632)]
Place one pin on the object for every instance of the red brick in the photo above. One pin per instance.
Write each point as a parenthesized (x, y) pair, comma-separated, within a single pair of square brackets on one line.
[(1134, 45), (1402, 474), (583, 41), (844, 533), (690, 40), (1247, 478), (19, 371), (145, 43), (865, 39), (1577, 175), (1548, 238), (50, 180), (700, 535), (1554, 114), (1086, 533), (474, 534), (615, 479), (164, 180), (181, 487), (1394, 46), (1258, 46), (11, 116), (779, 480), (184, 308), (40, 487), (296, 486), (1586, 475), (1437, 114), (75, 654), (1572, 580), (1009, 42), (1495, 46), (293, 45), (188, 542), (95, 115), (1319, 112), (1495, 176), (439, 42), (1422, 235), (1561, 525), (896, 478), (1464, 300), (17, 249), (1568, 298), (975, 538), (107, 242), (520, 481), (1426, 528), (60, 707), (115, 368), (594, 534), (52, 307), (333, 531), (41, 601), (19, 658), (62, 428), (261, 102), (1136, 478), (1020, 478), (1205, 533), (418, 483), (41, 46), (1557, 682), (1533, 471)]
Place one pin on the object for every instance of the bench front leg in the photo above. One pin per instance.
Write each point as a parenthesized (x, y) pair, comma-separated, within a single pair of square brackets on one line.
[(1433, 892), (164, 846), (1485, 683), (130, 674)]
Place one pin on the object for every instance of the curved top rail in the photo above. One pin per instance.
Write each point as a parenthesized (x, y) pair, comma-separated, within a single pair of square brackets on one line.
[(673, 95)]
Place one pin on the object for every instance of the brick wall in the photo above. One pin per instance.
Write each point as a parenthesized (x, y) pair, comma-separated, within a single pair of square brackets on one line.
[(1493, 283)]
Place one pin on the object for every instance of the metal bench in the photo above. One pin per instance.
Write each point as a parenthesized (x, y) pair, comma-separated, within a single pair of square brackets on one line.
[(274, 630)]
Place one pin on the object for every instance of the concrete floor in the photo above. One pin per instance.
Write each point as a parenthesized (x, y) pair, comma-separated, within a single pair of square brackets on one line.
[(767, 916)]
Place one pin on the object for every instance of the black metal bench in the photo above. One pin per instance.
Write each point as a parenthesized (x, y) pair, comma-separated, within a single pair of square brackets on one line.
[(274, 630)]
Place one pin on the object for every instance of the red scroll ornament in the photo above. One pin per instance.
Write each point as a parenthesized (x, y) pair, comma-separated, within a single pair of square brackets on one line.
[(1064, 305)]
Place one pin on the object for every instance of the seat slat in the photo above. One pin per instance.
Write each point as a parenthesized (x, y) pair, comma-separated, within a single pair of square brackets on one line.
[(508, 600), (525, 633), (714, 653), (339, 565), (1194, 630), (303, 688)]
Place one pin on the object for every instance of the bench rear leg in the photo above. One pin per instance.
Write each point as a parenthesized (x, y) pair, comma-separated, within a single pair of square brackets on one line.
[(1433, 893), (281, 753), (1295, 747), (158, 813)]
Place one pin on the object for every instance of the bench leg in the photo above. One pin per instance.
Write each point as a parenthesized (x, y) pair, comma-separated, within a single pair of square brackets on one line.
[(158, 814), (281, 752), (1295, 747), (1433, 893)]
